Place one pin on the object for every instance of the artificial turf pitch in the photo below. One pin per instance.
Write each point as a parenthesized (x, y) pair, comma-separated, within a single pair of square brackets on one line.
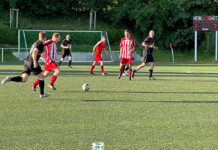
[(179, 110)]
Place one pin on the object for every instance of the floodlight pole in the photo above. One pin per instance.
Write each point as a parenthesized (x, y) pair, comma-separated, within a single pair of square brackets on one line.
[(196, 43), (216, 37)]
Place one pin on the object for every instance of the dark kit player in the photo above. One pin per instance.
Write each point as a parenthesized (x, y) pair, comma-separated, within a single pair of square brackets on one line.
[(67, 46), (31, 65), (148, 43)]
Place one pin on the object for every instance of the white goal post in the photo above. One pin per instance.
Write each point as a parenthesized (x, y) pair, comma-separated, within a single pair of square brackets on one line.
[(82, 43)]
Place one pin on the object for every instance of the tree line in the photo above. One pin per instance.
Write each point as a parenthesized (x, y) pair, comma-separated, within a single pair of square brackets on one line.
[(170, 19)]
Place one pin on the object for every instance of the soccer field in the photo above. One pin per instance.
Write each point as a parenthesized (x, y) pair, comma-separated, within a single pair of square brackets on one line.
[(179, 110)]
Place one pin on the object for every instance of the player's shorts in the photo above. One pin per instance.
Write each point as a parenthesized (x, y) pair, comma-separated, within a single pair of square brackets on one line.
[(98, 58), (147, 58), (125, 60), (66, 53), (51, 66), (28, 68)]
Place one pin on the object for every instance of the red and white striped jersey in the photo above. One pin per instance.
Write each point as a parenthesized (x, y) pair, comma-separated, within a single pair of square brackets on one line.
[(50, 51), (126, 45)]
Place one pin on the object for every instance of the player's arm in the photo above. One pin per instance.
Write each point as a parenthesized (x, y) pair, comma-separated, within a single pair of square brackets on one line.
[(34, 55), (120, 51), (64, 46), (105, 51), (94, 49)]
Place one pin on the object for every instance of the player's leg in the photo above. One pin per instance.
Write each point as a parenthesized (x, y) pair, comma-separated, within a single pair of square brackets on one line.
[(92, 68), (102, 68), (70, 60), (54, 78), (130, 71), (62, 58), (42, 86), (151, 71), (138, 68), (121, 69)]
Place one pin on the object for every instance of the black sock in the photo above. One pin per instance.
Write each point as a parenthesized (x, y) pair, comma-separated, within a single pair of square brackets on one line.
[(41, 86), (60, 63), (123, 67), (150, 72), (16, 79), (127, 68), (70, 62)]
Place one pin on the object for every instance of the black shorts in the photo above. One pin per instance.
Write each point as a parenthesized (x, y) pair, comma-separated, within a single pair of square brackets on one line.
[(147, 58), (66, 53), (28, 68)]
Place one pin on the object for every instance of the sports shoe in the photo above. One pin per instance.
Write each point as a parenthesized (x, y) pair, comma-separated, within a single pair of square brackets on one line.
[(91, 73), (33, 87), (119, 76), (51, 86), (133, 73), (104, 74), (130, 79), (70, 67), (5, 80), (151, 78), (44, 95)]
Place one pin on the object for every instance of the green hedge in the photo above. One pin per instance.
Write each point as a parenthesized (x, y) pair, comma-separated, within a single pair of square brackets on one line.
[(8, 36)]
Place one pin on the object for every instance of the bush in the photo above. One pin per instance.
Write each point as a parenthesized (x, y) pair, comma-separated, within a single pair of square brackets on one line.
[(8, 36)]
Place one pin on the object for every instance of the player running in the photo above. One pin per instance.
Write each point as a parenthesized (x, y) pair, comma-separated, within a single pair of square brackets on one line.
[(50, 64), (127, 47), (148, 43), (67, 46), (31, 65), (97, 50)]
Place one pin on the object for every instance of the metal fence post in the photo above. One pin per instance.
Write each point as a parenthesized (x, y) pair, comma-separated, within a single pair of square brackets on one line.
[(2, 55)]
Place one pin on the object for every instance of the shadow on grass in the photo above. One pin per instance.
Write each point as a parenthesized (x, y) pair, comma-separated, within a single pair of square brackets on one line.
[(141, 92), (142, 101)]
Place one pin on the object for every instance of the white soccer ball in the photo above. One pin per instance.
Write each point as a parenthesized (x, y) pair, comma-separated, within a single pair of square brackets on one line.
[(85, 87)]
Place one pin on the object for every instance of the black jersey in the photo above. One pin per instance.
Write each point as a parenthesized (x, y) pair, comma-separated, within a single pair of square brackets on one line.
[(149, 41), (39, 45), (66, 43)]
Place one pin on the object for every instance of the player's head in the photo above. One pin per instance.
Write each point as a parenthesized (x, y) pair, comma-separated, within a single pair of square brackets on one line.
[(151, 33), (42, 36), (103, 38), (68, 37), (126, 33), (56, 37)]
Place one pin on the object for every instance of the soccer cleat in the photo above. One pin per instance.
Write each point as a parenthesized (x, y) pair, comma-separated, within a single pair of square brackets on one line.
[(33, 87), (104, 74), (119, 76), (133, 73), (51, 86), (7, 79), (130, 79), (91, 73), (70, 67), (151, 78), (44, 95)]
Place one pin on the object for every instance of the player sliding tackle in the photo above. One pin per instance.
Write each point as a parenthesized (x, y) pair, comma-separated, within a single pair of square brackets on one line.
[(148, 43), (31, 65), (97, 50), (50, 64), (127, 47)]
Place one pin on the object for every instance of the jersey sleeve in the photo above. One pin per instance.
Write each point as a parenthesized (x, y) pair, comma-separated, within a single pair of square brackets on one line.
[(146, 40), (46, 43), (40, 47)]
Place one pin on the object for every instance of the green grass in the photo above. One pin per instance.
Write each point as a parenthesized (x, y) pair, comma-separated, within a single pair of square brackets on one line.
[(179, 110)]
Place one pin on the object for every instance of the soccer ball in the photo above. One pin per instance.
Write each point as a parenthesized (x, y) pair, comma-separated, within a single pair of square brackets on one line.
[(85, 87)]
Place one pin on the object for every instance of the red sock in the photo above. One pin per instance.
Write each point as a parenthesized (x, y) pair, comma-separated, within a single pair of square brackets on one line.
[(130, 73), (121, 71), (36, 82), (92, 68), (53, 79), (102, 69)]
